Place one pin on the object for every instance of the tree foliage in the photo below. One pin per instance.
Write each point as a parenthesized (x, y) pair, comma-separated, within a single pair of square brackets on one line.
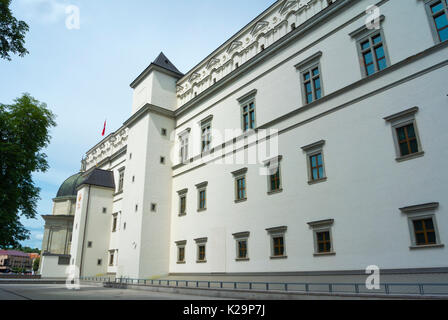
[(24, 132), (12, 32), (36, 263)]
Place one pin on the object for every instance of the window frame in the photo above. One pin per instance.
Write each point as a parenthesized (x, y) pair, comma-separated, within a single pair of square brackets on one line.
[(312, 150), (182, 195), (111, 257), (422, 212), (199, 243), (245, 101), (184, 140), (431, 19), (115, 222), (239, 237), (202, 187), (274, 233), (121, 172), (362, 34), (206, 137), (181, 245), (306, 67), (238, 175), (275, 161), (320, 227), (402, 119)]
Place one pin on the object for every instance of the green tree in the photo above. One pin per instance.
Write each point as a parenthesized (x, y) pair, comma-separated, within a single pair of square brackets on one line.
[(12, 32), (36, 264), (24, 132)]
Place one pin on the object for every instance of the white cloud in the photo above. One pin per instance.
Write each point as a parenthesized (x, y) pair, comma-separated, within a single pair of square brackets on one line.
[(39, 236)]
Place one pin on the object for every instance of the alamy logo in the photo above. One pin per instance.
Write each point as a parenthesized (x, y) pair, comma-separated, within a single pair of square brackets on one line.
[(73, 20), (373, 280), (373, 17)]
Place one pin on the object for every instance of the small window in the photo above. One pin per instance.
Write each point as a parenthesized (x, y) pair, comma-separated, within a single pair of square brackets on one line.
[(241, 239), (114, 223), (183, 149), (273, 174), (136, 207), (405, 134), (202, 196), (247, 103), (162, 160), (293, 26), (133, 178), (99, 262), (438, 14), (372, 49), (124, 226), (262, 47), (89, 244), (120, 179), (237, 65), (111, 258), (164, 132), (423, 225), (323, 244), (278, 248), (201, 250), (311, 78), (153, 207), (315, 161), (206, 134), (130, 156), (182, 202), (240, 184), (181, 251), (104, 210)]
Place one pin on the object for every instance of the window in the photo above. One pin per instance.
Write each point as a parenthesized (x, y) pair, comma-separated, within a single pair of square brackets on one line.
[(89, 244), (183, 150), (202, 196), (206, 135), (111, 257), (278, 249), (311, 78), (247, 103), (99, 262), (240, 184), (315, 161), (164, 132), (323, 244), (201, 250), (241, 240), (371, 49), (438, 14), (120, 179), (153, 207), (114, 222), (162, 160), (182, 202), (104, 210), (405, 134), (181, 251), (273, 174), (423, 225)]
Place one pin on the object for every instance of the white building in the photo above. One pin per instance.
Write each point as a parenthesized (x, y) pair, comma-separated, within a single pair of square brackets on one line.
[(351, 104)]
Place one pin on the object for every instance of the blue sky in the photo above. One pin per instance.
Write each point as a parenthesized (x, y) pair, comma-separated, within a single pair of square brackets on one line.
[(84, 74)]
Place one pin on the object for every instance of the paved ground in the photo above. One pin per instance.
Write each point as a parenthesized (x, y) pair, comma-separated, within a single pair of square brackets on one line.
[(86, 292)]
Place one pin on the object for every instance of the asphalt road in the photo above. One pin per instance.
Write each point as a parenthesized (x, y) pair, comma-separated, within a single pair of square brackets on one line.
[(86, 292)]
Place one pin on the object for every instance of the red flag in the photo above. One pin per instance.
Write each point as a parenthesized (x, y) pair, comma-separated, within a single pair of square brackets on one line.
[(104, 129)]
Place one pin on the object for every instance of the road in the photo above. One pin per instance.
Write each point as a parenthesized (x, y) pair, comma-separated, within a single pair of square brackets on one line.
[(86, 292)]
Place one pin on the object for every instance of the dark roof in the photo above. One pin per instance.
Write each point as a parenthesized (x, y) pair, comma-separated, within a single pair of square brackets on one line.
[(13, 253), (68, 187), (164, 62), (99, 178)]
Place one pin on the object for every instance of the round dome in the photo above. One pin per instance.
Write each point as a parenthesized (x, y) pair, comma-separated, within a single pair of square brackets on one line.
[(68, 188)]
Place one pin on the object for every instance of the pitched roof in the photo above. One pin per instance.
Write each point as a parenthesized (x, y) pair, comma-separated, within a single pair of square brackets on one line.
[(13, 253), (99, 178), (68, 187), (164, 62)]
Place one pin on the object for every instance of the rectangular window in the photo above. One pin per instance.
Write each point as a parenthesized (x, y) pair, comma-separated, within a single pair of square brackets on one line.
[(277, 235), (423, 225), (114, 223), (315, 160), (202, 196), (242, 249), (438, 13), (405, 134), (241, 188), (249, 116), (311, 84), (181, 251), (322, 237), (424, 232), (111, 258), (120, 179), (183, 204), (373, 53), (206, 135), (273, 173), (242, 239), (201, 247), (183, 151)]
